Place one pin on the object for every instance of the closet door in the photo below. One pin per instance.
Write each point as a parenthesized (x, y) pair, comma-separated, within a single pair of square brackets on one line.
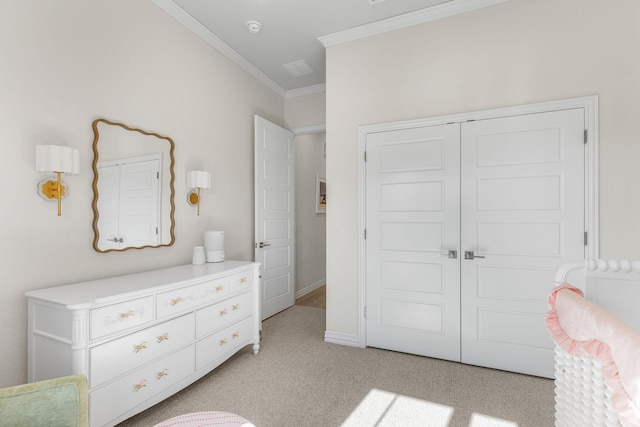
[(413, 208), (522, 205)]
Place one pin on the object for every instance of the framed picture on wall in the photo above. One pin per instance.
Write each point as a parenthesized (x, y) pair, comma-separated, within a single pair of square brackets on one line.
[(321, 194)]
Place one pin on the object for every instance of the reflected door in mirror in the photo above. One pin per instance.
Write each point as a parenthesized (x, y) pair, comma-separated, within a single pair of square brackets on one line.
[(129, 202)]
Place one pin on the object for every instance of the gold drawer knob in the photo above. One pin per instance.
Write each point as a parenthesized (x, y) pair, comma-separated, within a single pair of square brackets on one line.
[(223, 341), (140, 386), (223, 312), (176, 301), (236, 307), (219, 288), (163, 337), (236, 335), (141, 346), (161, 374), (129, 314), (243, 280)]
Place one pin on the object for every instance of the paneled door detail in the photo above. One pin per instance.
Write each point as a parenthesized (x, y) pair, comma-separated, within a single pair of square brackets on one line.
[(129, 202), (466, 224), (274, 215), (522, 207), (412, 238)]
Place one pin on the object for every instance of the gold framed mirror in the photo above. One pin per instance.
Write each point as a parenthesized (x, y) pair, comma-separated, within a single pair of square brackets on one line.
[(133, 188)]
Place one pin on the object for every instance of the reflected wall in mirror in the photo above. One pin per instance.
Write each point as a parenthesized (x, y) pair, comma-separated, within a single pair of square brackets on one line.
[(133, 188)]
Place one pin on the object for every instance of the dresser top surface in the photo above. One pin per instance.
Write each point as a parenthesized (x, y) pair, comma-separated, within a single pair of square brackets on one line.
[(107, 289)]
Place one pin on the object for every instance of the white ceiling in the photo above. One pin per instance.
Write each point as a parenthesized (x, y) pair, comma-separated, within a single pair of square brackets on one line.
[(291, 29)]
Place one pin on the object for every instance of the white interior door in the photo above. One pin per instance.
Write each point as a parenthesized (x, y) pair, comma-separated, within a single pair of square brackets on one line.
[(274, 215), (510, 191), (139, 204), (108, 206), (129, 203), (413, 208), (523, 215)]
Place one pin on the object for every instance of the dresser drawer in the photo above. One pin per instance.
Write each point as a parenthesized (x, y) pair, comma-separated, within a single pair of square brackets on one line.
[(129, 391), (240, 281), (215, 317), (216, 345), (178, 300), (110, 360), (119, 317)]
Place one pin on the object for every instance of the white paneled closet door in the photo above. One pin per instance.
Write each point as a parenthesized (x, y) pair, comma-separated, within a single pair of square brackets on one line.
[(508, 192), (413, 208), (523, 212)]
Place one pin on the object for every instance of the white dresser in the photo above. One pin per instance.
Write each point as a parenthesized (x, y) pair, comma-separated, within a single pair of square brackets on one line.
[(142, 337)]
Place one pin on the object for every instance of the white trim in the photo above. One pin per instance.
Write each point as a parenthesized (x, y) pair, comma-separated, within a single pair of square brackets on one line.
[(307, 130), (342, 339), (310, 288), (421, 16), (309, 90), (590, 105), (180, 15)]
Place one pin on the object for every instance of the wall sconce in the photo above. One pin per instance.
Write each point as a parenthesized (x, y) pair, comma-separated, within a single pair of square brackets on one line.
[(197, 180), (57, 159)]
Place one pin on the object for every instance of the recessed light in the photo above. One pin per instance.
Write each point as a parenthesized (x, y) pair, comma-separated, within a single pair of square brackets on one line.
[(254, 27)]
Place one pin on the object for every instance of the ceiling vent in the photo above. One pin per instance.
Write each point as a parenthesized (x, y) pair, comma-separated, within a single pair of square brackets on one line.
[(376, 1), (299, 68)]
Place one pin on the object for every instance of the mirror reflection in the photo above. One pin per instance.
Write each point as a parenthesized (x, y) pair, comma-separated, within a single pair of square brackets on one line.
[(133, 194)]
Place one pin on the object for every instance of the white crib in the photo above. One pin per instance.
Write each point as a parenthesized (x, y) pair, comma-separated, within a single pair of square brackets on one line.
[(582, 397)]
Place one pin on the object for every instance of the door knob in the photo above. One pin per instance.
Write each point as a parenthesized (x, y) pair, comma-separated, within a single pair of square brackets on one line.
[(471, 255), (450, 254)]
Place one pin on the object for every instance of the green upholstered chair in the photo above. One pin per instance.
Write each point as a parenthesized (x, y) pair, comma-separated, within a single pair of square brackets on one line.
[(58, 402)]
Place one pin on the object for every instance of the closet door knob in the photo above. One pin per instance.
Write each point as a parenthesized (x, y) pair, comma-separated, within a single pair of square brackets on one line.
[(471, 255)]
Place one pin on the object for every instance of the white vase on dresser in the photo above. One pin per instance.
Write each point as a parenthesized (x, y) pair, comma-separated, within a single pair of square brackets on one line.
[(140, 338)]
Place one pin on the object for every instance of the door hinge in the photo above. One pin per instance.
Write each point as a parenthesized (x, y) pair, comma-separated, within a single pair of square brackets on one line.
[(365, 312), (157, 175), (365, 234), (586, 136), (365, 156), (586, 238)]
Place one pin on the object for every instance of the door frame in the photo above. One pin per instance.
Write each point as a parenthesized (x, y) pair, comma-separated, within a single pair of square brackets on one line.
[(590, 105)]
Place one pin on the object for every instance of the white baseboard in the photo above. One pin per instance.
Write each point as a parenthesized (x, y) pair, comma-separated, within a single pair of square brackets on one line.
[(310, 288), (342, 339)]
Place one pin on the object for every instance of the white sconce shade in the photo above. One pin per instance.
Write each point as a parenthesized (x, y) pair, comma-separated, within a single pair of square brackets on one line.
[(57, 158), (198, 179)]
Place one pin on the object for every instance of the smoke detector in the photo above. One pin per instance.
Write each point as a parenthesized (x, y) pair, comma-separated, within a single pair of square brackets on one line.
[(254, 27)]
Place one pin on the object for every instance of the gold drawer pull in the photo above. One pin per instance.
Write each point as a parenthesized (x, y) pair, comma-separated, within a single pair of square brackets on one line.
[(127, 315), (236, 307), (236, 335), (243, 280), (164, 373), (140, 386), (223, 341), (140, 346), (176, 301), (219, 288), (163, 337), (223, 312)]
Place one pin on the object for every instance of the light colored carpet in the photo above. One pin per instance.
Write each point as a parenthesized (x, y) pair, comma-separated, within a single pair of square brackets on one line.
[(298, 380)]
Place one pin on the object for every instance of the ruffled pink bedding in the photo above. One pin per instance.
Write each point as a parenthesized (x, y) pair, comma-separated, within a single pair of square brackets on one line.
[(580, 327)]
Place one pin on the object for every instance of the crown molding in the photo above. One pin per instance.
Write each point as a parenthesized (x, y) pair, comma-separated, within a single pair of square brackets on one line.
[(422, 16), (188, 21), (308, 90)]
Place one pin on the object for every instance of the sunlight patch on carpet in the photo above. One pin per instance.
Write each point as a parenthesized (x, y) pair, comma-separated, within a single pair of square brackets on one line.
[(381, 408)]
